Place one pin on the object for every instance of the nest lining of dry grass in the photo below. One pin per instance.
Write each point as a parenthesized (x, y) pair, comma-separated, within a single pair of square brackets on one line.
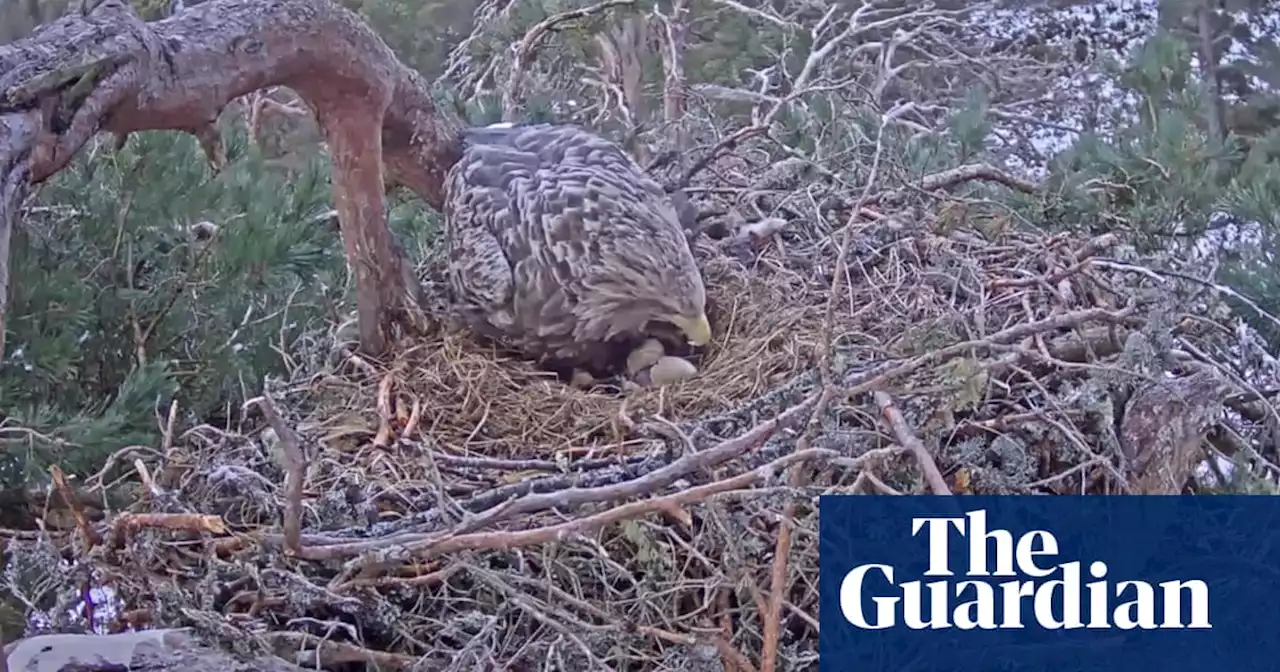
[(458, 511), (471, 401)]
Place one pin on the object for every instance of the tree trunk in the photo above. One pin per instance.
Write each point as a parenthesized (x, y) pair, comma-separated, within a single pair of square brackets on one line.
[(1209, 66), (109, 71)]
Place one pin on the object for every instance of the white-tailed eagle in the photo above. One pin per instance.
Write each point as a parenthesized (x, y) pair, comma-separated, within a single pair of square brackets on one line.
[(561, 248)]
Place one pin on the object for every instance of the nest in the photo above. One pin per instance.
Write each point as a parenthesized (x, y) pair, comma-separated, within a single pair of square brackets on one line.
[(455, 510), (454, 392)]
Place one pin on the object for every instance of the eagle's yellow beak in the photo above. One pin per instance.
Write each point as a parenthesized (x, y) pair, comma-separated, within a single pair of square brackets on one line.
[(697, 330)]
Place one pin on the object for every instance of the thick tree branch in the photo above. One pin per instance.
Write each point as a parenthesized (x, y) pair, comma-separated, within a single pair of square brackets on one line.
[(110, 71)]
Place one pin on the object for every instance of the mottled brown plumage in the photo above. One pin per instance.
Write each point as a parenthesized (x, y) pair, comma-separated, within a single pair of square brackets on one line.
[(561, 248)]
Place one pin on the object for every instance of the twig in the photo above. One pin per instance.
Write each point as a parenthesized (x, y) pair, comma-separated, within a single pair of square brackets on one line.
[(166, 446), (1216, 287), (571, 498), (91, 536), (727, 650), (954, 176), (758, 13), (566, 500), (778, 578), (904, 435), (295, 464), (524, 50), (334, 653), (505, 540), (415, 418), (128, 523), (385, 429), (674, 84), (864, 381), (879, 485)]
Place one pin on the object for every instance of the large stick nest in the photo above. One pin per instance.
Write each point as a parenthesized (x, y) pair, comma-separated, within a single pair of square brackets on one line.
[(458, 510), (462, 511), (768, 324)]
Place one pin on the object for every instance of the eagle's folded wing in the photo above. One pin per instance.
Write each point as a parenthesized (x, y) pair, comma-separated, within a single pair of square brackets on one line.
[(556, 237)]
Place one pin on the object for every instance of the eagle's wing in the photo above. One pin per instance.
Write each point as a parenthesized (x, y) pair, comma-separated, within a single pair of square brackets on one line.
[(525, 211), (552, 146), (558, 245), (480, 266), (516, 235)]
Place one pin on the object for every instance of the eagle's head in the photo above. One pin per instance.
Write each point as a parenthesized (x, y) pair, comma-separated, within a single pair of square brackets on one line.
[(644, 273)]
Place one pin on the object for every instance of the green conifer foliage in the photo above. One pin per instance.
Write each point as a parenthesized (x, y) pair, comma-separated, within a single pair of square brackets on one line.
[(1153, 174), (120, 302)]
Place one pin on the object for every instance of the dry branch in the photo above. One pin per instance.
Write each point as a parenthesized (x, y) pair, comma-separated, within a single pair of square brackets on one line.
[(564, 500), (675, 82), (501, 540), (295, 465), (526, 49), (937, 484)]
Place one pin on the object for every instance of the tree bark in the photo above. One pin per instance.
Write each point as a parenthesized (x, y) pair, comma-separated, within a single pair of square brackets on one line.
[(107, 70), (1164, 428)]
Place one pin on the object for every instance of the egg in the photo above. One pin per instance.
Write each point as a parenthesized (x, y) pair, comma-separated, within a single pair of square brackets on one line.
[(671, 370)]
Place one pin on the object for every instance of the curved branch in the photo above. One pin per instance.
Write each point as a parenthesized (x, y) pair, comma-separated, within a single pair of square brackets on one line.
[(526, 47), (110, 71)]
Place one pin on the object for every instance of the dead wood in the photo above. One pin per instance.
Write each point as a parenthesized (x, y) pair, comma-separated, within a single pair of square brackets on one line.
[(1164, 428)]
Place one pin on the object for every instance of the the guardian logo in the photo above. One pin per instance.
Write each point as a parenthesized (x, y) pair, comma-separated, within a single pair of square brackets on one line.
[(971, 603)]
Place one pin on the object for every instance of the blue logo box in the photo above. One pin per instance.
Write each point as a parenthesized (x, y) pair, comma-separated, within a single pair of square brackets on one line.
[(1052, 584)]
